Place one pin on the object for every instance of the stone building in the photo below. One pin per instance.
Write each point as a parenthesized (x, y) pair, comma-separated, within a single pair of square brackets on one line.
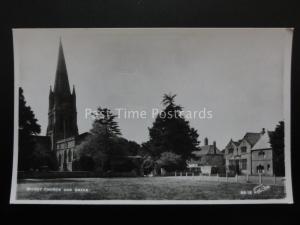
[(250, 155), (209, 159), (262, 155)]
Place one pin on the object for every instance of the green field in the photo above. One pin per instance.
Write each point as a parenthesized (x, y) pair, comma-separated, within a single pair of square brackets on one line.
[(147, 188)]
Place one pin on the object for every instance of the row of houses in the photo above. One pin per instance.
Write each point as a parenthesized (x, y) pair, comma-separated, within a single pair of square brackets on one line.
[(250, 155)]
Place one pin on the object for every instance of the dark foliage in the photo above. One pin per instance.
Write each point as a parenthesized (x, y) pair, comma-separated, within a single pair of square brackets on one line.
[(277, 144), (28, 127), (171, 132), (105, 146)]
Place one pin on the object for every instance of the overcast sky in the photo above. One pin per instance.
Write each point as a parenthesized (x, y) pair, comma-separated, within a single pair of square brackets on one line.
[(235, 73)]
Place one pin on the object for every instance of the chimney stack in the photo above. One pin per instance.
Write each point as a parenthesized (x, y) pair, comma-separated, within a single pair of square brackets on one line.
[(215, 147), (206, 141)]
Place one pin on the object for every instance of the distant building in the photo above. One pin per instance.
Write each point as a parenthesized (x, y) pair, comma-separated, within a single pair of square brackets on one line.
[(250, 155), (207, 160)]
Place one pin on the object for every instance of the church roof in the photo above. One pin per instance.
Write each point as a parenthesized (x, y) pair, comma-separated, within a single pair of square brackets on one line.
[(61, 84), (81, 137)]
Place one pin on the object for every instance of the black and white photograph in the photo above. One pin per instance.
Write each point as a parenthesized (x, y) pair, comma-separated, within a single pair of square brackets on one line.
[(152, 116)]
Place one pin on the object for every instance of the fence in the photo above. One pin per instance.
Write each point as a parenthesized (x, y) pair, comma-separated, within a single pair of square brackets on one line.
[(256, 179)]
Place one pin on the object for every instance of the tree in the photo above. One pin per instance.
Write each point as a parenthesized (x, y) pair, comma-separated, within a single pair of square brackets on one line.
[(148, 164), (28, 127), (172, 133), (169, 161), (277, 144), (104, 142), (42, 157)]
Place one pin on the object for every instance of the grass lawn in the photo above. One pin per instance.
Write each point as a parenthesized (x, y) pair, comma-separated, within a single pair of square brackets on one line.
[(145, 188)]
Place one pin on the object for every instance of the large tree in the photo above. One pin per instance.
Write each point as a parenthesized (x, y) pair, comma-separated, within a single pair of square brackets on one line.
[(277, 144), (172, 133), (28, 127), (105, 147), (99, 145)]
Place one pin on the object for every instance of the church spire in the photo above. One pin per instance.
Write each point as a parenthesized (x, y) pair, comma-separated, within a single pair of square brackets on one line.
[(73, 91), (61, 84), (62, 115)]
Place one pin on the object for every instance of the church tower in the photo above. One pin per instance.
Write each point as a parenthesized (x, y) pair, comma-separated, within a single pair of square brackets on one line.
[(62, 114)]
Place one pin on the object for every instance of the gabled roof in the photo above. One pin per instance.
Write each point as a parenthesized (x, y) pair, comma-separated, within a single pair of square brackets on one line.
[(252, 138), (263, 142), (207, 150), (236, 143)]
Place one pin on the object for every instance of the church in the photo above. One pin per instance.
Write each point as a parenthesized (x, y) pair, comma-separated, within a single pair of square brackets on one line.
[(62, 132)]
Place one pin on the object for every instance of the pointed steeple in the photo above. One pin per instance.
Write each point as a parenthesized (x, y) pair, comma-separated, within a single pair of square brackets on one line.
[(61, 84), (73, 91), (62, 115), (51, 98)]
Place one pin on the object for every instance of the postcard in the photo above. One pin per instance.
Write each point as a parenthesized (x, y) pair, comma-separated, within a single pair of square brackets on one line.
[(152, 116)]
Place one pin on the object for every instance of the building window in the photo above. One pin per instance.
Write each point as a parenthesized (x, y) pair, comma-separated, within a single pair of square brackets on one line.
[(243, 164), (262, 154), (244, 149), (230, 150), (260, 169), (268, 167)]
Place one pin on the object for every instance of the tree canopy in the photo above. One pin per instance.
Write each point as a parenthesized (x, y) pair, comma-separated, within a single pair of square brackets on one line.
[(28, 127), (104, 145), (277, 144), (171, 133)]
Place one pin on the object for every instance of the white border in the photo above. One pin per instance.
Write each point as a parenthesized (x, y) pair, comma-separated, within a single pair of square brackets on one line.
[(287, 120)]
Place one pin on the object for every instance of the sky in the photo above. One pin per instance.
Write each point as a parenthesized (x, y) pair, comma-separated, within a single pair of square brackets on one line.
[(237, 74)]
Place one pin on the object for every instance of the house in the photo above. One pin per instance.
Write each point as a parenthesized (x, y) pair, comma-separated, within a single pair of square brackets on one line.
[(238, 154), (250, 155), (262, 155), (209, 159)]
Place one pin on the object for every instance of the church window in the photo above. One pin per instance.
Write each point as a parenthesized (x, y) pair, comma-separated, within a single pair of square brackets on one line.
[(59, 159), (74, 156), (65, 156), (70, 155)]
